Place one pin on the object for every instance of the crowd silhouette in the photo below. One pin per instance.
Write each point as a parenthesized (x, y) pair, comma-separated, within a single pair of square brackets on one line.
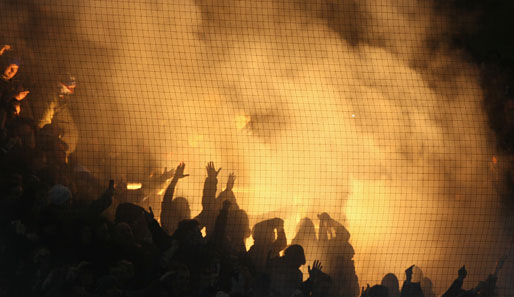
[(57, 239)]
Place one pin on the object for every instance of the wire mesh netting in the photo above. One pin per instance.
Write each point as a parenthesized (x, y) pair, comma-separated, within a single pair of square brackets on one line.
[(355, 129)]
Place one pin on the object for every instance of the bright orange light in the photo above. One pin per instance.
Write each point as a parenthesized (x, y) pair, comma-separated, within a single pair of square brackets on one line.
[(134, 186)]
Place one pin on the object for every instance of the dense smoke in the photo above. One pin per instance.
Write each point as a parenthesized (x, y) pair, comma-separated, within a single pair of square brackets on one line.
[(357, 108)]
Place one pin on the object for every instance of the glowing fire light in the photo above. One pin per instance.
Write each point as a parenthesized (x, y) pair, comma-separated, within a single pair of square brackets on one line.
[(134, 186)]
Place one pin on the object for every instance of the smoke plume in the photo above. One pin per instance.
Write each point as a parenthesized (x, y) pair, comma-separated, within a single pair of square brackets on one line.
[(359, 108)]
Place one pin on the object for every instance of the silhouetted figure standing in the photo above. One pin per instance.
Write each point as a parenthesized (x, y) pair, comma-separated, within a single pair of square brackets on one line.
[(410, 288), (266, 246), (56, 111), (175, 210), (390, 281), (210, 209), (306, 236), (286, 277), (228, 194), (334, 240), (455, 289)]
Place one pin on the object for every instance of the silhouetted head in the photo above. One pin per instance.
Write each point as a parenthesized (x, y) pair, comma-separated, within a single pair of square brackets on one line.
[(238, 225), (294, 255), (188, 233), (228, 196), (263, 232), (180, 209), (305, 230), (391, 282)]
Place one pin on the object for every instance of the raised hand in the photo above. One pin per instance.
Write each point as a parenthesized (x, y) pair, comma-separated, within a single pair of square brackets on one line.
[(149, 215), (179, 172), (231, 180), (408, 272), (316, 269), (463, 272), (211, 170), (167, 174)]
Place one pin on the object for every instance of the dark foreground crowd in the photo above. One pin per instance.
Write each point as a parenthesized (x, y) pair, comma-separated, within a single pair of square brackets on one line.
[(58, 239)]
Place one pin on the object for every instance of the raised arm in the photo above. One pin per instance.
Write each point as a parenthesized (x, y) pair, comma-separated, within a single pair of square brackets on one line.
[(456, 287), (228, 194), (179, 174), (210, 187), (324, 228), (281, 241), (160, 238), (98, 206), (231, 181)]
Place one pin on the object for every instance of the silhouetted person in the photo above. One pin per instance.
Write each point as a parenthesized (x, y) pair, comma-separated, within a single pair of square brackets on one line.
[(133, 215), (9, 65), (334, 241), (231, 230), (485, 288), (390, 281), (456, 287), (228, 194), (306, 235), (410, 288), (56, 111), (238, 230), (427, 287), (207, 217), (265, 245), (174, 210), (286, 277)]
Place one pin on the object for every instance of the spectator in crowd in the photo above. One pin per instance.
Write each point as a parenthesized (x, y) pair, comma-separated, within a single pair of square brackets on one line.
[(175, 210), (10, 65), (266, 245), (334, 239), (390, 281), (56, 112), (210, 207)]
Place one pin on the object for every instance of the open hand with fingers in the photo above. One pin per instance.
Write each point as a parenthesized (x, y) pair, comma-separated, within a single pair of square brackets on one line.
[(231, 180), (315, 271), (211, 170), (167, 174), (179, 172)]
